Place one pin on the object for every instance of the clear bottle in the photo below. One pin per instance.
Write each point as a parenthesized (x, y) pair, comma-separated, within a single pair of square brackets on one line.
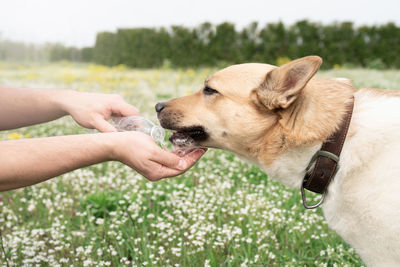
[(140, 124)]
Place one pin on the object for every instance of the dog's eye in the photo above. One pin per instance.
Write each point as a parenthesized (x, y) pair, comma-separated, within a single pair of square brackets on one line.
[(209, 91)]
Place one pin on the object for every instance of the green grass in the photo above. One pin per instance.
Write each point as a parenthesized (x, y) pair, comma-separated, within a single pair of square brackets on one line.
[(223, 212)]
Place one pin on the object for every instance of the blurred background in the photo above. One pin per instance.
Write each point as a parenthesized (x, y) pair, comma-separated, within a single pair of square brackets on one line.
[(179, 33)]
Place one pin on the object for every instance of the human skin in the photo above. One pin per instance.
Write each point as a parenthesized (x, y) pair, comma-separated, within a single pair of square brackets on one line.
[(29, 161)]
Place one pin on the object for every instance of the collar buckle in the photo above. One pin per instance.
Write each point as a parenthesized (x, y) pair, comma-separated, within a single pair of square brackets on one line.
[(322, 153), (319, 153)]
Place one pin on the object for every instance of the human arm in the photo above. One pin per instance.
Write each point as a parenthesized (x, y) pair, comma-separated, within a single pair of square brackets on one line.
[(29, 161), (23, 107)]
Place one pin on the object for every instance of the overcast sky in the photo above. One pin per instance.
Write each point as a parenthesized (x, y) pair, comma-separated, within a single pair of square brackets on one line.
[(76, 22)]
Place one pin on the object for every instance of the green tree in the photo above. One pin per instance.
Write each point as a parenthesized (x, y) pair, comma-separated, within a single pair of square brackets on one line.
[(106, 50), (223, 46)]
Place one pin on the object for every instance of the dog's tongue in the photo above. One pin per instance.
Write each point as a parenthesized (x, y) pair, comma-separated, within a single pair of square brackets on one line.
[(182, 143)]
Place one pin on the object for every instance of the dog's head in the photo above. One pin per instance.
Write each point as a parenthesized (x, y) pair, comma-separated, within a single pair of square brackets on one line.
[(238, 107)]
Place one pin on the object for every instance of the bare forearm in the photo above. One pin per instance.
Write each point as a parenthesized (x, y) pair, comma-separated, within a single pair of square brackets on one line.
[(30, 161), (23, 107)]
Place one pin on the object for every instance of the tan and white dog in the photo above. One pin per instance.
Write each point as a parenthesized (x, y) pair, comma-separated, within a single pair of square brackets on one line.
[(278, 117)]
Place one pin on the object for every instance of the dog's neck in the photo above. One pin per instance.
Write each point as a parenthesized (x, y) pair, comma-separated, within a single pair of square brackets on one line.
[(302, 128)]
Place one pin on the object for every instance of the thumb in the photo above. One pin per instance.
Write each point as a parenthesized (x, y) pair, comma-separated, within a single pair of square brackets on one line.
[(191, 158), (195, 155), (169, 159), (103, 126), (126, 110)]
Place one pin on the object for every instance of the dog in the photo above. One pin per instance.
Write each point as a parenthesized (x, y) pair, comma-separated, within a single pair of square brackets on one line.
[(279, 117)]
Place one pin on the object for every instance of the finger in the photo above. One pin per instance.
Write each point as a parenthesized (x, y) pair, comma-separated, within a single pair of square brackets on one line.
[(181, 152), (173, 161), (167, 158), (163, 171), (159, 172), (166, 172), (125, 110), (103, 126), (191, 158)]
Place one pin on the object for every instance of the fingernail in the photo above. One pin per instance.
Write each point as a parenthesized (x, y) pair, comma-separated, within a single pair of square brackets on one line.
[(181, 164)]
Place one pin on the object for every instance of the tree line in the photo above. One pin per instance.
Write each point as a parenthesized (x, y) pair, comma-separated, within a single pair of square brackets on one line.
[(17, 51), (341, 43)]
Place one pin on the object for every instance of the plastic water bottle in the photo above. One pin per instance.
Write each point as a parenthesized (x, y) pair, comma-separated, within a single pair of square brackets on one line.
[(140, 124)]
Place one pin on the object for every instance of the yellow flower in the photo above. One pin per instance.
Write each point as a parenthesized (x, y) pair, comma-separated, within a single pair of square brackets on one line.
[(31, 75), (98, 68), (190, 73), (336, 66), (282, 60), (67, 77), (14, 136), (120, 67), (188, 91)]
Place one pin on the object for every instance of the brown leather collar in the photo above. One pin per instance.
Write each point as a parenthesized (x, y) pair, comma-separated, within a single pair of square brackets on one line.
[(326, 161)]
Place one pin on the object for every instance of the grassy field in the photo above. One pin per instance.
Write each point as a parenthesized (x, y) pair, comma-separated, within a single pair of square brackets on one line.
[(223, 212)]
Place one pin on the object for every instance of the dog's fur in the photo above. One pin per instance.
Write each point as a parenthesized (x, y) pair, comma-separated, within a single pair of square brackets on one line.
[(278, 117)]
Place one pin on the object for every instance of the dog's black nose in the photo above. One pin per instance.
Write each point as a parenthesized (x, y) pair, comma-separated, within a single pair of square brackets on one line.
[(160, 106)]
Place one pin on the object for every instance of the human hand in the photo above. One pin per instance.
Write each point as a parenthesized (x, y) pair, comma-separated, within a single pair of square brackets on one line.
[(92, 110), (140, 152)]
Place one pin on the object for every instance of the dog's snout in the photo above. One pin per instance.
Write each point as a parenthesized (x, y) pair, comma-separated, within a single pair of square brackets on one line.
[(160, 106)]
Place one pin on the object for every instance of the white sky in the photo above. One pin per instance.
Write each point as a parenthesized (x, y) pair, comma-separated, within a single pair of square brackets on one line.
[(76, 22)]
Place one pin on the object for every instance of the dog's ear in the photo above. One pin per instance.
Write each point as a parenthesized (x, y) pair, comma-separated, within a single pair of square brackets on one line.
[(282, 85)]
